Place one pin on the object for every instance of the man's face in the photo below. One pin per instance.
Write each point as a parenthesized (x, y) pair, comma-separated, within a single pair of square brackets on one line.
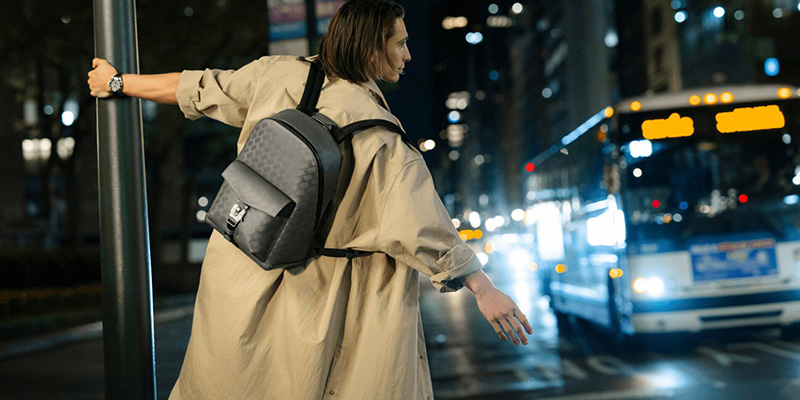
[(396, 52)]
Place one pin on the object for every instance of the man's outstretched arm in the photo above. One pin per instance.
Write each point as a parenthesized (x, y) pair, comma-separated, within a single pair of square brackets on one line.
[(161, 88)]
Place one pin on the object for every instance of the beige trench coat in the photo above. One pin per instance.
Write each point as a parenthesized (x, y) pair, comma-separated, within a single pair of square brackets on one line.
[(334, 329)]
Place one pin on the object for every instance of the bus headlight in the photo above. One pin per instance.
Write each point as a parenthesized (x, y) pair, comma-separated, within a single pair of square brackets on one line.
[(640, 285), (655, 286), (652, 286)]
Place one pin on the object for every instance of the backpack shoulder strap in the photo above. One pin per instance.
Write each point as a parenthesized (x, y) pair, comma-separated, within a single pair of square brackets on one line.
[(308, 105), (316, 77), (348, 130)]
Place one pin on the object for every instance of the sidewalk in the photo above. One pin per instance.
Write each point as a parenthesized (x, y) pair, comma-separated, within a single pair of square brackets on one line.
[(76, 326), (68, 363)]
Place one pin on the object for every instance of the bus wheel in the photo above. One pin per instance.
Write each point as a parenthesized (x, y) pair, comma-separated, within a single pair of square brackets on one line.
[(621, 340), (790, 332), (614, 315)]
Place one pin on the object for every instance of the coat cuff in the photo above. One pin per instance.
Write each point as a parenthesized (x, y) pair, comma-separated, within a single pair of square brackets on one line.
[(457, 262), (189, 93)]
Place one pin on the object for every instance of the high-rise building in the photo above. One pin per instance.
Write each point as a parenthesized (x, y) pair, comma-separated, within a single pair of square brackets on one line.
[(530, 72), (577, 40), (671, 45)]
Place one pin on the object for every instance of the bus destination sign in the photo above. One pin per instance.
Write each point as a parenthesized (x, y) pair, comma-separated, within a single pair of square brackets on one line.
[(673, 127), (750, 119)]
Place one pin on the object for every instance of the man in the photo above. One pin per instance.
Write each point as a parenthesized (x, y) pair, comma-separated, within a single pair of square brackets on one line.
[(334, 328)]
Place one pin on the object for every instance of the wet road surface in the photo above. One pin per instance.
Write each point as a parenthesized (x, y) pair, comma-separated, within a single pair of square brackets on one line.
[(468, 361)]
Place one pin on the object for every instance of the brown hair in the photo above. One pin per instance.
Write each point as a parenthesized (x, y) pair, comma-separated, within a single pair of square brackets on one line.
[(357, 32)]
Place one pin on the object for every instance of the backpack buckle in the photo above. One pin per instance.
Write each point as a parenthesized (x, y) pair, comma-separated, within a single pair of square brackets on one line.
[(237, 213)]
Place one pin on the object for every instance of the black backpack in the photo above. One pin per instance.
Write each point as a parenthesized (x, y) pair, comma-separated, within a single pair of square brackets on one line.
[(289, 176)]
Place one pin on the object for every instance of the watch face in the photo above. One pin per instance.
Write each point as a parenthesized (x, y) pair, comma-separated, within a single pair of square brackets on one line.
[(115, 84)]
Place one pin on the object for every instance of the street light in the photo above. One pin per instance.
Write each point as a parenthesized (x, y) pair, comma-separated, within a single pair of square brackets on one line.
[(34, 150), (71, 109), (474, 38), (65, 147), (772, 66)]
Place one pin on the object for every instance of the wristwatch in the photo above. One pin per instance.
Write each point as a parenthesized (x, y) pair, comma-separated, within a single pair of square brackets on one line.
[(115, 84)]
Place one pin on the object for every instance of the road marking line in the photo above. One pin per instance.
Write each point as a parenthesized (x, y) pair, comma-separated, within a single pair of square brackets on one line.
[(725, 359), (548, 373), (607, 365), (617, 395), (767, 349), (572, 370), (791, 346), (521, 374), (462, 362)]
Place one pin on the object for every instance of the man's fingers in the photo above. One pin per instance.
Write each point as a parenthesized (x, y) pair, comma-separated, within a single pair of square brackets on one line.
[(499, 330), (509, 331), (519, 330), (95, 62), (524, 320)]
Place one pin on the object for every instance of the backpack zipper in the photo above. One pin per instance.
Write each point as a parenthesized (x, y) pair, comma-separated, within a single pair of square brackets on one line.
[(320, 174)]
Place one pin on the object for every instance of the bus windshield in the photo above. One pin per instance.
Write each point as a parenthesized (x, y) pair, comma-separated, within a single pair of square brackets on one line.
[(709, 183)]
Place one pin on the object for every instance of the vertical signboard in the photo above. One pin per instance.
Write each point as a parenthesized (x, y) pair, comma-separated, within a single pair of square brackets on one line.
[(288, 30), (287, 19), (325, 11)]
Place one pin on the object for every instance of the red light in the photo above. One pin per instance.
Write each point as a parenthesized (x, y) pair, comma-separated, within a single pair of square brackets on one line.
[(743, 198), (656, 204), (530, 167)]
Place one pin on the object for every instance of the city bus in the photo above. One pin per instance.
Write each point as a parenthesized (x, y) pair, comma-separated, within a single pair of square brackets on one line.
[(675, 212)]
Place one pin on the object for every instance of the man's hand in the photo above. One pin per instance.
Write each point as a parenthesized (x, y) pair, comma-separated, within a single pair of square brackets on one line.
[(504, 315), (101, 73)]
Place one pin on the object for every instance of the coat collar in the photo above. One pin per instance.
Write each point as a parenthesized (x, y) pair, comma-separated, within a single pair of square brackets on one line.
[(370, 86), (376, 93)]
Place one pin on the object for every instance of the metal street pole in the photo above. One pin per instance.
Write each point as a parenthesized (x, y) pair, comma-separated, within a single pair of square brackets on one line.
[(127, 288)]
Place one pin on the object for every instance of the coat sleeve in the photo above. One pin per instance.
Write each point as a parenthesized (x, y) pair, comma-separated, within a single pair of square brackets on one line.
[(415, 229), (224, 95)]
